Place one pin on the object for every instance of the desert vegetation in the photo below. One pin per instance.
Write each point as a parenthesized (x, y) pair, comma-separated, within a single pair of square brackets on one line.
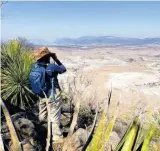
[(86, 123), (16, 61)]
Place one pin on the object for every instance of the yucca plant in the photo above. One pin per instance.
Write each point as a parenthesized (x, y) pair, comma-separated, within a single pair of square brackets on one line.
[(16, 64)]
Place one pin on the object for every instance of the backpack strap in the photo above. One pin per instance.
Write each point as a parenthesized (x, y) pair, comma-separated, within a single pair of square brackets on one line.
[(41, 64), (53, 93)]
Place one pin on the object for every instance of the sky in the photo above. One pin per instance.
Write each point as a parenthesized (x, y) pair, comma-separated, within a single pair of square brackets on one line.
[(51, 20)]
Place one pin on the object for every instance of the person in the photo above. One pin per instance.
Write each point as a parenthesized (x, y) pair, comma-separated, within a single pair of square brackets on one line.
[(52, 70)]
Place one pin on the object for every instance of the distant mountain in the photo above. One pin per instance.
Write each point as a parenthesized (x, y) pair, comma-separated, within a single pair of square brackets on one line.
[(40, 42), (106, 40), (94, 41)]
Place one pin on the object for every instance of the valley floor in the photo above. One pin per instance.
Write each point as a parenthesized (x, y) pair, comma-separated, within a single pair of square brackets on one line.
[(132, 72)]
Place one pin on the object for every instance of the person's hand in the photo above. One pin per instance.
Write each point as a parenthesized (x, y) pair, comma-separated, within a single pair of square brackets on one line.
[(54, 56)]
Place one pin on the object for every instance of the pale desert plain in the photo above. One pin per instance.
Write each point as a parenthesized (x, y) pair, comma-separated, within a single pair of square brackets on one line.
[(132, 72)]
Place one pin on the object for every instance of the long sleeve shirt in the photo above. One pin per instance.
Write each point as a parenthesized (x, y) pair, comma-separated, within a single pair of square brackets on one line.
[(52, 71)]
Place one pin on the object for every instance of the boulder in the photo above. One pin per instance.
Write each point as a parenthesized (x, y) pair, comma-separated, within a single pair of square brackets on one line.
[(120, 127), (76, 141), (26, 131), (113, 141)]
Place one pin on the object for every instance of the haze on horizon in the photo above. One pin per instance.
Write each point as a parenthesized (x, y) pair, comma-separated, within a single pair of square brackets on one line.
[(51, 20)]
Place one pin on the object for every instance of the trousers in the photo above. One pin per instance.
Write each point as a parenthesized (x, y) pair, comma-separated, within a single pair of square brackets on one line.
[(51, 110)]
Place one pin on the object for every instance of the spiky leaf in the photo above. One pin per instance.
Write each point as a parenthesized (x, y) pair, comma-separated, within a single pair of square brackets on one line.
[(16, 65)]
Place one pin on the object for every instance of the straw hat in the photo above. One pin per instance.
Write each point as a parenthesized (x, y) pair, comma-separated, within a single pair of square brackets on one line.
[(41, 52)]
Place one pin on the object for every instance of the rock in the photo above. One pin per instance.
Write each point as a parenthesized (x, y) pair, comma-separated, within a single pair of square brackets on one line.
[(76, 141), (26, 129), (65, 119), (142, 58), (113, 141), (120, 127), (131, 60), (67, 108)]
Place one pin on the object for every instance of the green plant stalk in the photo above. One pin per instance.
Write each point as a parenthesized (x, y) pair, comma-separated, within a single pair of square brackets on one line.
[(119, 146), (91, 132), (14, 137), (147, 140), (109, 129), (130, 139), (97, 141), (139, 140)]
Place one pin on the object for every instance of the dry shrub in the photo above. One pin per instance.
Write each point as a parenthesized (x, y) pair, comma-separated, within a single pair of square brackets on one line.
[(75, 86), (78, 87)]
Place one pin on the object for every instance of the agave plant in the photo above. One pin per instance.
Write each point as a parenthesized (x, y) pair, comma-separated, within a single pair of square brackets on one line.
[(104, 129), (15, 68), (133, 140)]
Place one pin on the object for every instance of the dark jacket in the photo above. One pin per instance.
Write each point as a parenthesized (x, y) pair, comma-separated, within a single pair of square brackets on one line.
[(52, 71)]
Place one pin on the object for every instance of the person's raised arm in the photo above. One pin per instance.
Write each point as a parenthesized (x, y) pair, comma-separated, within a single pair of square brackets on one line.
[(59, 68), (54, 56)]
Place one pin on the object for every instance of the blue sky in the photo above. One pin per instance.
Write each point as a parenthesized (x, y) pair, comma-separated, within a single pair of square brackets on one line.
[(51, 20)]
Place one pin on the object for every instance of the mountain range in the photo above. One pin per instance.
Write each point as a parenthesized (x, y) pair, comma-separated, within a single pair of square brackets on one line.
[(105, 40), (95, 41)]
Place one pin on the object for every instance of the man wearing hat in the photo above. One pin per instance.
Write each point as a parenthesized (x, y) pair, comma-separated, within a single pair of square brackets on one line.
[(44, 83)]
